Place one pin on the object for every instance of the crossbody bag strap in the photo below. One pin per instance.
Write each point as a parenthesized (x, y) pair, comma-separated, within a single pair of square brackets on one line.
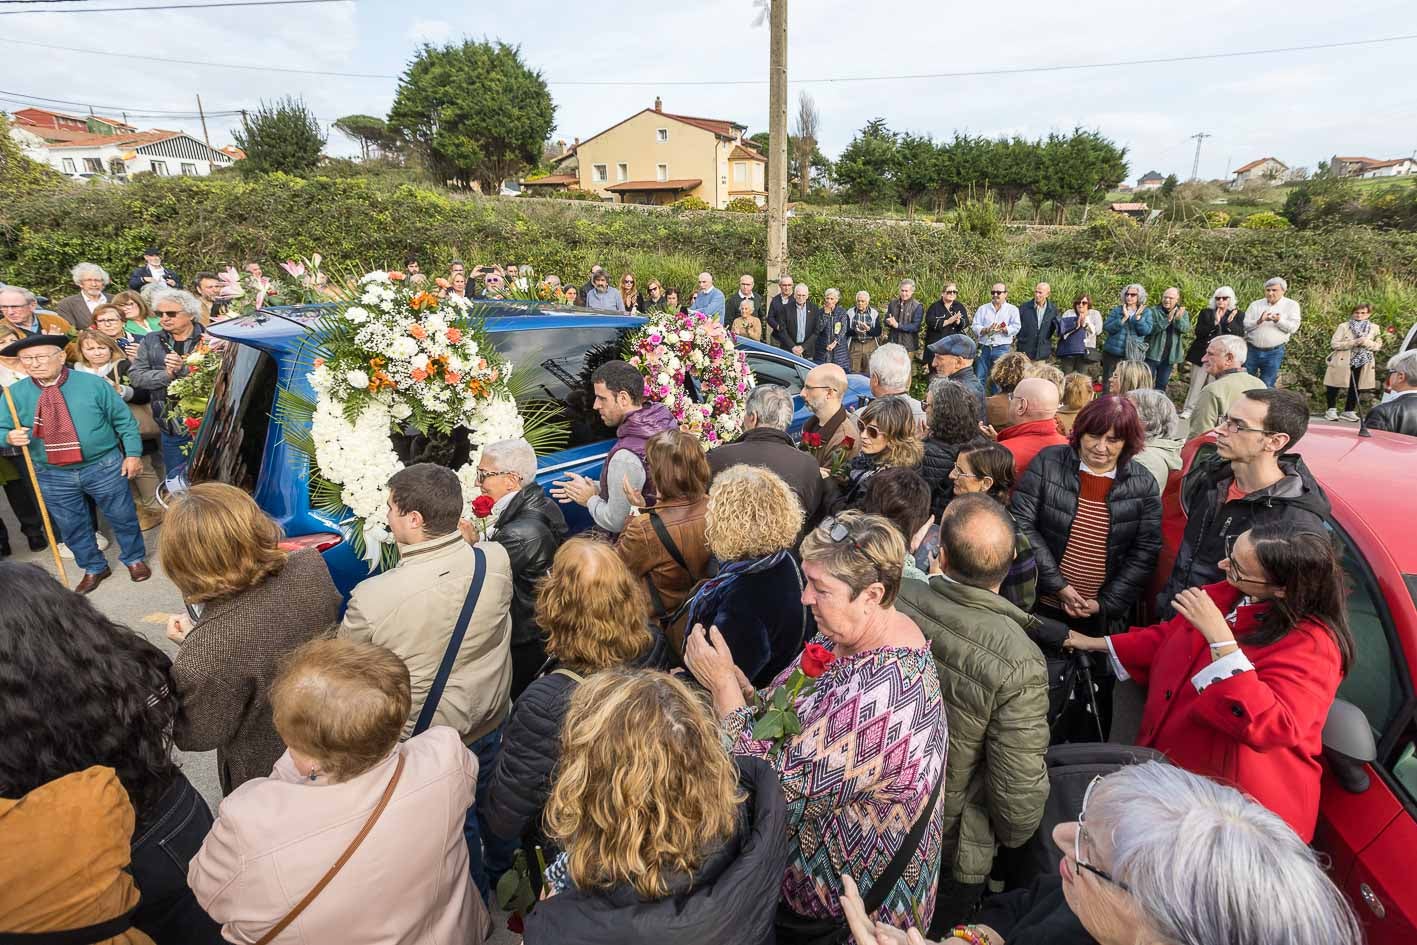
[(568, 673), (882, 887), (445, 669), (300, 906), (667, 540)]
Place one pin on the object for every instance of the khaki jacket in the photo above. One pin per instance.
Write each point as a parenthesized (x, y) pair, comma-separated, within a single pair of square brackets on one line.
[(1344, 343), (412, 610)]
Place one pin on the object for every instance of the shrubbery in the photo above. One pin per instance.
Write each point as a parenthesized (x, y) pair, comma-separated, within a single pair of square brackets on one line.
[(690, 203), (743, 205), (1264, 220)]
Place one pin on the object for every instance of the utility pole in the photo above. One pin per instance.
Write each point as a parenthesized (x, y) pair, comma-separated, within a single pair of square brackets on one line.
[(777, 142), (1200, 136), (203, 115)]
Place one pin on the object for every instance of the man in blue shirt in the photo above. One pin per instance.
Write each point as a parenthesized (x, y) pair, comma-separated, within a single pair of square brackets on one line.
[(996, 324), (709, 299)]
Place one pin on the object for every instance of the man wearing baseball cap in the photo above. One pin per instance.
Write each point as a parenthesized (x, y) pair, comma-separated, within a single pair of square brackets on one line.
[(84, 442), (952, 357)]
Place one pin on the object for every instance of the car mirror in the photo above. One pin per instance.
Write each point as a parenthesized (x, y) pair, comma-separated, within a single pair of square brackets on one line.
[(1348, 745)]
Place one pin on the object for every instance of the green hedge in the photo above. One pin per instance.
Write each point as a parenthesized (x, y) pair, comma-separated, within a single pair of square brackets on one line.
[(204, 223)]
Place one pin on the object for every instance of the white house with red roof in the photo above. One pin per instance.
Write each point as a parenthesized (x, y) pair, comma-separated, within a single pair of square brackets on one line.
[(657, 157), (97, 146), (1270, 169)]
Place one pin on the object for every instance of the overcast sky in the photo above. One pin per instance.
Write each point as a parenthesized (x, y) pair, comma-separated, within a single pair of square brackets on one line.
[(1300, 107)]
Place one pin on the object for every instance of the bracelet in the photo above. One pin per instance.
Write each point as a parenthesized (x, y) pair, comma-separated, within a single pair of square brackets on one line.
[(970, 934), (1223, 645)]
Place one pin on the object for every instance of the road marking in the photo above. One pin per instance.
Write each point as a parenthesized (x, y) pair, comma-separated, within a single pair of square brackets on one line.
[(155, 618)]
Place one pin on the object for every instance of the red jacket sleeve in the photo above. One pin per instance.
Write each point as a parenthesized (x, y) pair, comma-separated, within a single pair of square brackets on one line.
[(1278, 704), (1137, 648)]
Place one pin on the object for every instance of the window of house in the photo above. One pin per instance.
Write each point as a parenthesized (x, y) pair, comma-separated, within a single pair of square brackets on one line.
[(69, 167), (189, 170), (599, 173), (740, 172), (94, 165), (160, 168), (661, 135), (116, 166), (622, 172), (661, 172)]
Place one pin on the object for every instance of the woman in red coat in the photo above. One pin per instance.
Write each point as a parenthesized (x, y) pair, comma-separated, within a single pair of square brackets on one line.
[(1240, 682)]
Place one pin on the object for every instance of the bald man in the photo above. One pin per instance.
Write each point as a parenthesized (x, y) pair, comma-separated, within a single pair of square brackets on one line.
[(1033, 416), (839, 434)]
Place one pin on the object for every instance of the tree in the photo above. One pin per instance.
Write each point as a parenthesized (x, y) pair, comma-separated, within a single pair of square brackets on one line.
[(865, 169), (805, 146), (279, 136), (372, 133), (473, 112), (19, 174), (819, 166), (1168, 186), (918, 169)]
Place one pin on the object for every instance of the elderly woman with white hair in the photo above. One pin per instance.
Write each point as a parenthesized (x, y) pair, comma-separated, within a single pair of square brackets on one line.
[(160, 361), (1269, 324), (1160, 856), (79, 308), (1221, 317), (1162, 453), (1128, 326), (523, 520)]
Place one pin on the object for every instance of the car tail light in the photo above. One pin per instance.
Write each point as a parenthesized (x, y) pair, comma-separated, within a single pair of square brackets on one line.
[(320, 541)]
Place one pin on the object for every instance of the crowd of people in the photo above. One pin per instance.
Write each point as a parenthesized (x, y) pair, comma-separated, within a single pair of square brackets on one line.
[(792, 689)]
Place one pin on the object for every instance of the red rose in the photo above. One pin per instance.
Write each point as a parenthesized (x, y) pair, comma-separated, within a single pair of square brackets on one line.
[(515, 924), (848, 442), (482, 506), (815, 660), (191, 369), (812, 439), (193, 424)]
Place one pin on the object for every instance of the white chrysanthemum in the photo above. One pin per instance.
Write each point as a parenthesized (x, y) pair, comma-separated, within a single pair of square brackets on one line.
[(400, 411), (403, 347), (357, 379)]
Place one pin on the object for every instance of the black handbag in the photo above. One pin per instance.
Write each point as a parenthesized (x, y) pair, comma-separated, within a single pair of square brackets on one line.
[(794, 929)]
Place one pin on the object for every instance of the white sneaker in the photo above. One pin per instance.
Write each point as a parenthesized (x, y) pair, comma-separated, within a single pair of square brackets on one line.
[(1349, 416), (1186, 414), (64, 551), (1331, 413)]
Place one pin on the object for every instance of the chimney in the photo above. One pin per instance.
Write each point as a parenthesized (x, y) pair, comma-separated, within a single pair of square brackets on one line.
[(578, 142), (658, 104)]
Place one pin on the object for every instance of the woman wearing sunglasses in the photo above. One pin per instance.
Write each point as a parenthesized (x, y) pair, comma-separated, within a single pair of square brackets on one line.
[(888, 440), (633, 299), (1158, 855), (1240, 682)]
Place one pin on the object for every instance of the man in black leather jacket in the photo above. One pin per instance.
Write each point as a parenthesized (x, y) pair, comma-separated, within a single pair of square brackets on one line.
[(1398, 411)]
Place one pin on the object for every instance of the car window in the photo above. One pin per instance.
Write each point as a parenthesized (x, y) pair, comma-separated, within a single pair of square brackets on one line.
[(553, 366), (1376, 680), (233, 439), (771, 370)]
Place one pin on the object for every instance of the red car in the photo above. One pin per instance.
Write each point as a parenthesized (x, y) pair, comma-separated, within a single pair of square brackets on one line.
[(1368, 811)]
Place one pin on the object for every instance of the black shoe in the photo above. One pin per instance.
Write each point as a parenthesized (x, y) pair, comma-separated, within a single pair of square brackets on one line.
[(38, 542)]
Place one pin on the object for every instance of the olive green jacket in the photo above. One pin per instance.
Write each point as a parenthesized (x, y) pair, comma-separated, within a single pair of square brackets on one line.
[(995, 686)]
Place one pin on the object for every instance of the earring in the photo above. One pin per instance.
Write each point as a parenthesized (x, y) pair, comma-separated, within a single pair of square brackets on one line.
[(314, 774)]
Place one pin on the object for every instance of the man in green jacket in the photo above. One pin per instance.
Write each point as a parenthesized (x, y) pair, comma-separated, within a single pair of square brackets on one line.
[(84, 442), (995, 685)]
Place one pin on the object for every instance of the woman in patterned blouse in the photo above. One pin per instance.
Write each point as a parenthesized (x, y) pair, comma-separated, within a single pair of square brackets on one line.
[(873, 732)]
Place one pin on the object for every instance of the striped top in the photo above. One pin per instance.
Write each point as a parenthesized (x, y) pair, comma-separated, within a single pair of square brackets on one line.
[(1084, 562)]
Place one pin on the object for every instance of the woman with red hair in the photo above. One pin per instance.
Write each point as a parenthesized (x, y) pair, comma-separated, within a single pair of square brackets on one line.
[(1093, 516)]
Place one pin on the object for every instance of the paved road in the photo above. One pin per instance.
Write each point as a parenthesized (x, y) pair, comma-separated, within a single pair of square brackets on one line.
[(144, 608)]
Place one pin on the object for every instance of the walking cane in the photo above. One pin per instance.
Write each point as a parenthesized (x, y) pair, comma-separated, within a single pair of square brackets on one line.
[(38, 496)]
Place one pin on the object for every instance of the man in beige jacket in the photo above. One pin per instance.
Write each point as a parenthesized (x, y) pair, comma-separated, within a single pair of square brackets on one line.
[(413, 609)]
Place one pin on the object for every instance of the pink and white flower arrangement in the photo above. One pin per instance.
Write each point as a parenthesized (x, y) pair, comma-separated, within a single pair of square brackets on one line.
[(692, 366)]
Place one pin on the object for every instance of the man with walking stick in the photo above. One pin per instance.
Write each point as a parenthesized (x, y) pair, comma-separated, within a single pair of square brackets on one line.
[(81, 441)]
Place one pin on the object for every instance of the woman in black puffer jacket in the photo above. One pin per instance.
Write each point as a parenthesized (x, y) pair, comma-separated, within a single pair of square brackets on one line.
[(952, 417), (595, 616)]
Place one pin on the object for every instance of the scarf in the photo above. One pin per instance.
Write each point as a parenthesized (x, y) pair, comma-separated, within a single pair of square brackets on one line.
[(1362, 357), (54, 426)]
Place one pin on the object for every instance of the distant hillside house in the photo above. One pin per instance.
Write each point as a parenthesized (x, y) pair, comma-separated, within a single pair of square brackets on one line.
[(164, 153), (1366, 167), (655, 157), (60, 126), (1137, 211), (1263, 169), (1150, 179)]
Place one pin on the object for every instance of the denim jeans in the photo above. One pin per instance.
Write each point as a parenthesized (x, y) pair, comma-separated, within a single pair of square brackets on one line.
[(173, 459), (1161, 370), (488, 855), (162, 849), (102, 480), (1264, 363), (984, 362)]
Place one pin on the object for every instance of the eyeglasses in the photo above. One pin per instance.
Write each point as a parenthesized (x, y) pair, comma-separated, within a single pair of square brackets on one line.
[(1232, 570), (998, 292), (957, 473), (485, 474), (1230, 425), (1131, 295), (816, 387), (1078, 862), (34, 359), (873, 431)]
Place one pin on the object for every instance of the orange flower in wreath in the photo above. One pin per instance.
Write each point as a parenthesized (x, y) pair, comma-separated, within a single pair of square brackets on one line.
[(417, 332), (454, 336), (418, 374), (423, 300), (396, 276), (452, 377)]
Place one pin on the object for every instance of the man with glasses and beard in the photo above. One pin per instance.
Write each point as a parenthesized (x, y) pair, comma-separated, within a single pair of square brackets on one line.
[(1251, 479)]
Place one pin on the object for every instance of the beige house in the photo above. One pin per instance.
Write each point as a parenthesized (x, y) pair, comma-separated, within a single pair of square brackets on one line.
[(655, 157), (1268, 169)]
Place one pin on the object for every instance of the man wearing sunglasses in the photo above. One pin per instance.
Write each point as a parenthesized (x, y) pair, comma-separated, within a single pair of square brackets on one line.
[(996, 324), (1252, 479)]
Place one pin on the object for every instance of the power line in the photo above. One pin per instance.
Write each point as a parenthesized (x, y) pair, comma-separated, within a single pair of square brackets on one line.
[(173, 6), (40, 101), (1199, 57)]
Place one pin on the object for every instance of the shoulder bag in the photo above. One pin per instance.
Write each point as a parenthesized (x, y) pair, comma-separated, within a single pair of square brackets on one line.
[(794, 929), (445, 669), (667, 540), (300, 906)]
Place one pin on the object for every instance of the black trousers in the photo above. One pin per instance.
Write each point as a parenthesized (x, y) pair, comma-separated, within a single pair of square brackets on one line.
[(1354, 394), (21, 496)]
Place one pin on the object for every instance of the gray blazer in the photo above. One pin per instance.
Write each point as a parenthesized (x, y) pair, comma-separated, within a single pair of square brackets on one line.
[(76, 311)]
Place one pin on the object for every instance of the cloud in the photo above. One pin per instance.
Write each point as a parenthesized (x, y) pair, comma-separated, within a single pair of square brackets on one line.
[(430, 31)]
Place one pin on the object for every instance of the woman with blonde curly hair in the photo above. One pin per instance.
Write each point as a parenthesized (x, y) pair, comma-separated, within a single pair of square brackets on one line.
[(889, 437), (755, 599), (1004, 375), (595, 615), (668, 839), (249, 604)]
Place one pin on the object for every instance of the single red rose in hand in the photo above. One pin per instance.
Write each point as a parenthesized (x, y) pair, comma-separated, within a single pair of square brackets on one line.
[(191, 369), (482, 506), (812, 439), (848, 442), (193, 424), (815, 660), (515, 924)]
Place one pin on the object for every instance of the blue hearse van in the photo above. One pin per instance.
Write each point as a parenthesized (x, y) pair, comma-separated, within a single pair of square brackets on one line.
[(240, 442)]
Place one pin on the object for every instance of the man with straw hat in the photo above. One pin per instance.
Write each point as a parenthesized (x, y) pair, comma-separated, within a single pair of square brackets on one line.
[(83, 441)]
